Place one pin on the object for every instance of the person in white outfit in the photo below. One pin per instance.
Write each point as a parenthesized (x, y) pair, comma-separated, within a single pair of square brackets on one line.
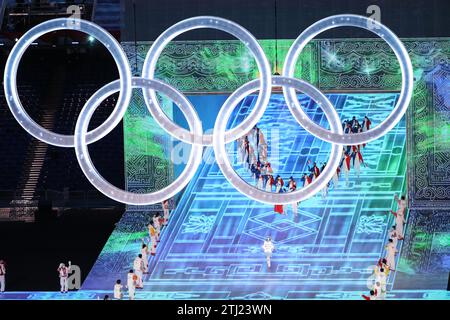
[(268, 248), (260, 183), (336, 178), (390, 256), (346, 168), (138, 266), (262, 152), (393, 236), (165, 205), (157, 226), (356, 163), (241, 150), (2, 276), (380, 277), (400, 216), (270, 182), (152, 234), (118, 294), (63, 272), (144, 253), (377, 288), (131, 284)]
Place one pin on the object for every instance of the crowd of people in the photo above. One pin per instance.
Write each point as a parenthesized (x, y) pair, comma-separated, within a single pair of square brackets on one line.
[(141, 262), (253, 156), (386, 264)]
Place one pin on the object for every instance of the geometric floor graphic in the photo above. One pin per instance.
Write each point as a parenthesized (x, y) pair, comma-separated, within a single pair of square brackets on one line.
[(212, 246)]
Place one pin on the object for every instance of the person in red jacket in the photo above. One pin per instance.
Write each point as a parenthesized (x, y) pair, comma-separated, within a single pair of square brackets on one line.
[(279, 188), (346, 167)]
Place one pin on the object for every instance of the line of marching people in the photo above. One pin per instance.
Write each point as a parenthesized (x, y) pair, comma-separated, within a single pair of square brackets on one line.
[(387, 264), (351, 155), (141, 262), (253, 154)]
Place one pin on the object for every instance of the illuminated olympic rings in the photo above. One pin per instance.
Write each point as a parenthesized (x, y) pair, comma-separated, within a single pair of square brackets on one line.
[(195, 135)]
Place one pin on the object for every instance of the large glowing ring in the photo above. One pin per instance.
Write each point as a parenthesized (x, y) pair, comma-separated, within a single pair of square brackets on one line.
[(268, 197), (10, 80), (405, 66), (104, 186), (148, 72), (195, 136)]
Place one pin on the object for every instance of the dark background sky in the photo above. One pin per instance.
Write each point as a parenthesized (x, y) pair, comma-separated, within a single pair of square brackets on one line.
[(407, 18)]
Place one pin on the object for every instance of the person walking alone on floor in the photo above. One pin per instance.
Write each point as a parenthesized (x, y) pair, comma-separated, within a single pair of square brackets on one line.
[(268, 248), (63, 272)]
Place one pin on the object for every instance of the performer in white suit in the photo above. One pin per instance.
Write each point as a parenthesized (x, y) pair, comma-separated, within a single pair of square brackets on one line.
[(63, 273), (346, 168), (152, 234), (357, 160), (393, 235), (400, 216), (268, 248), (336, 178), (118, 294), (260, 183), (157, 226), (138, 266), (131, 284), (144, 253), (380, 276), (378, 289), (165, 205), (390, 256), (241, 150)]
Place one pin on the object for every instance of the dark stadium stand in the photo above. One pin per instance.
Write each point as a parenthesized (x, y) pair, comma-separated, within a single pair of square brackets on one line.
[(53, 91)]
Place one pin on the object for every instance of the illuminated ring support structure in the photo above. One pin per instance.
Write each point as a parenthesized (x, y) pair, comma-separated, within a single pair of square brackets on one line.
[(104, 186), (195, 136), (10, 80), (405, 66), (270, 197), (149, 66)]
